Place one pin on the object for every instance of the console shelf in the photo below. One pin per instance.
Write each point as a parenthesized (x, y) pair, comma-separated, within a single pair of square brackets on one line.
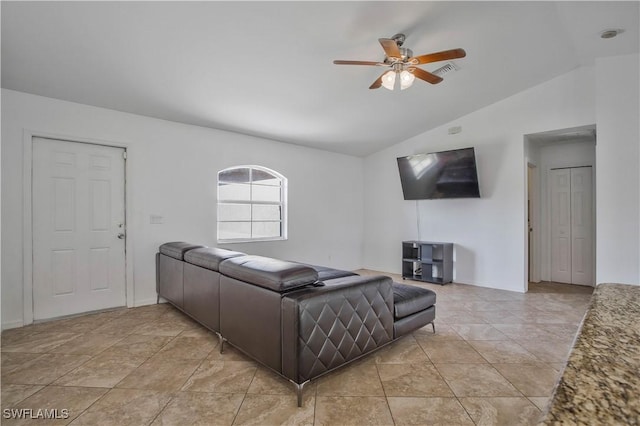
[(427, 261)]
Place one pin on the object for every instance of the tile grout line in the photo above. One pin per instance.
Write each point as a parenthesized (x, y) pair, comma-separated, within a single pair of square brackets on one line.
[(535, 360), (91, 357), (92, 404), (315, 404), (116, 384), (132, 371), (143, 362), (452, 391), (244, 396), (442, 377), (384, 391), (169, 401)]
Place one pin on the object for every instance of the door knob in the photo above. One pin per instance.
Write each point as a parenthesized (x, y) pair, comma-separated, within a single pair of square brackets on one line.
[(121, 236)]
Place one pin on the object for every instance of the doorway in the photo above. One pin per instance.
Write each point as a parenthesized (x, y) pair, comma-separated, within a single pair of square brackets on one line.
[(545, 154), (78, 227), (532, 222)]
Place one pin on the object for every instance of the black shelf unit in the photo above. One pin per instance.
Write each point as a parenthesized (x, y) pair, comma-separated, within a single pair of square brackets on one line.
[(427, 261)]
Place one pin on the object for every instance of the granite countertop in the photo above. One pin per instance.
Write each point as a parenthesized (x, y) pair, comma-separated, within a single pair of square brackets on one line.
[(601, 381)]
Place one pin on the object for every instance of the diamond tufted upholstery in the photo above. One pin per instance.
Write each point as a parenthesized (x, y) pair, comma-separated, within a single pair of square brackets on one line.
[(337, 323)]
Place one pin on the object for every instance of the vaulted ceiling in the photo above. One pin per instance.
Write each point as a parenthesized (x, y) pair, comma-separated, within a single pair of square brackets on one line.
[(265, 68)]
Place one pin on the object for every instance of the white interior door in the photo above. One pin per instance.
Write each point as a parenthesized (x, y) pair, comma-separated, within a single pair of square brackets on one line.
[(581, 226), (571, 192), (560, 180), (78, 228)]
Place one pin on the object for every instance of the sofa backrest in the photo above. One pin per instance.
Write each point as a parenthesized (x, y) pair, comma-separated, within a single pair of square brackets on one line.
[(177, 249), (210, 257), (250, 320), (273, 274)]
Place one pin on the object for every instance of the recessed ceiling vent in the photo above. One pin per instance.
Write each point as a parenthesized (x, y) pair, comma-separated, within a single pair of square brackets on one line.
[(611, 33), (447, 68)]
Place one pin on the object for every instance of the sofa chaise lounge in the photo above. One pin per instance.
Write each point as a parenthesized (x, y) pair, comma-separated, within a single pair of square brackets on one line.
[(301, 321)]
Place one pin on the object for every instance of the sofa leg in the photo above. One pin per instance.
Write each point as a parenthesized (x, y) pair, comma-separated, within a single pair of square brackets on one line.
[(299, 387), (158, 299), (433, 325), (221, 340)]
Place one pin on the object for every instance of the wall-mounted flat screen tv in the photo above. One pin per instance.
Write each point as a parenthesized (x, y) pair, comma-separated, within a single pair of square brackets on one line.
[(446, 174)]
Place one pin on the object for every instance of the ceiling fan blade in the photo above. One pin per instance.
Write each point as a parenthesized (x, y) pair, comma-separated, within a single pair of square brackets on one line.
[(377, 84), (438, 56), (390, 47), (340, 62), (425, 75)]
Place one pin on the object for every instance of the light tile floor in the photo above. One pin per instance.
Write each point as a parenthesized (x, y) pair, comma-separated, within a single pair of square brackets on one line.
[(494, 360)]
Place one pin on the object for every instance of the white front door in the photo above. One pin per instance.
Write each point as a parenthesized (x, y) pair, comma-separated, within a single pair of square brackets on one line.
[(571, 225), (78, 228)]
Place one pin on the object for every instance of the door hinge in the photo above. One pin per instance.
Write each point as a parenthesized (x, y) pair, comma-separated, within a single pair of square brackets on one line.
[(124, 154)]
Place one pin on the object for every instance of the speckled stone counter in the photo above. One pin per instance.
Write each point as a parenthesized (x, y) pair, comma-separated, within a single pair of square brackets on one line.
[(601, 381)]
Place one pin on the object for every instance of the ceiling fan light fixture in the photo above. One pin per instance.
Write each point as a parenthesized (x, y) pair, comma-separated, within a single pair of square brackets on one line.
[(389, 80), (404, 65), (406, 79)]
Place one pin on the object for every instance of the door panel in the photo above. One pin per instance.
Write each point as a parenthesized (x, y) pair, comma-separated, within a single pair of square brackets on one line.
[(64, 190), (572, 225), (581, 226), (63, 268), (78, 211), (100, 194), (99, 268), (560, 225)]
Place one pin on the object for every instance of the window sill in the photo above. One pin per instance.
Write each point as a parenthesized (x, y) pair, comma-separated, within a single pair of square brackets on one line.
[(251, 240)]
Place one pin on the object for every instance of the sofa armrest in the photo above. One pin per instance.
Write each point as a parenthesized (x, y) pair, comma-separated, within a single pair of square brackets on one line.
[(326, 327)]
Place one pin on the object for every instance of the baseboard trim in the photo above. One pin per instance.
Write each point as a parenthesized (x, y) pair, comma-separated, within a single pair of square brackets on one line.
[(146, 302), (12, 324)]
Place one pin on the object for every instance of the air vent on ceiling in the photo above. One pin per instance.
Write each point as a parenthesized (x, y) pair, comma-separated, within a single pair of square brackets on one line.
[(447, 68)]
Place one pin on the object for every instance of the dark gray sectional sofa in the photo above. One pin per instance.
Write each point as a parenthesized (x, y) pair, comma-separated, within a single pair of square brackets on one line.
[(299, 320)]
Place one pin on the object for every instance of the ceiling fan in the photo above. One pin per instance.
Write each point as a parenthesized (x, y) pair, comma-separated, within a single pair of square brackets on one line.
[(403, 64)]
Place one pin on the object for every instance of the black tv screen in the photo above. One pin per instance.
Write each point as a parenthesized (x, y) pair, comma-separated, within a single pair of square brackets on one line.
[(446, 174)]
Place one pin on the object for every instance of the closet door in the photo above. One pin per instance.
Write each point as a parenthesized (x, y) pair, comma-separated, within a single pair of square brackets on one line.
[(581, 226), (571, 193), (560, 184)]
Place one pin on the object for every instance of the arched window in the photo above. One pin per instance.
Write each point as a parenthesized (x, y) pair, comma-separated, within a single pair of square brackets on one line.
[(251, 204)]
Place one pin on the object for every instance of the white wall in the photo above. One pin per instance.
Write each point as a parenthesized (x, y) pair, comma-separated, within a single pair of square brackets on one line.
[(489, 233), (618, 180), (172, 172)]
